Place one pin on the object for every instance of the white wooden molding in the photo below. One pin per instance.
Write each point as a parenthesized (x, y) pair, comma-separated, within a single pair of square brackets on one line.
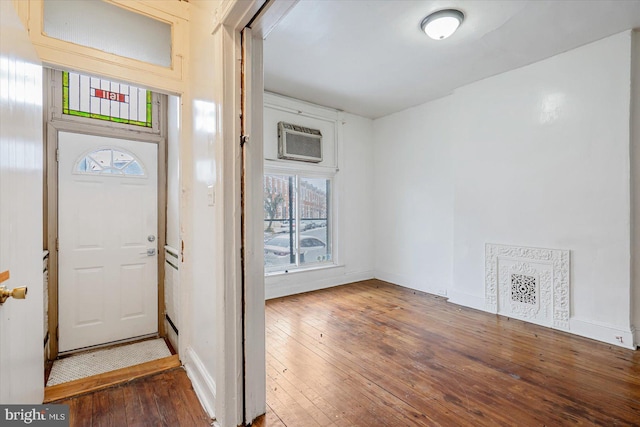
[(603, 332), (548, 273), (203, 383)]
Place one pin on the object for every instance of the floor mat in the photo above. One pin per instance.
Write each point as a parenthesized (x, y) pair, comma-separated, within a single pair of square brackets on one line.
[(96, 362)]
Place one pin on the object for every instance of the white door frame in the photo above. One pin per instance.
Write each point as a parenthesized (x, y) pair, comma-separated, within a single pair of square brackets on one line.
[(244, 325), (54, 126)]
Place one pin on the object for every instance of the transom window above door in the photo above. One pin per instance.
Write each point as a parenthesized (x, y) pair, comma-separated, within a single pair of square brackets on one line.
[(96, 98)]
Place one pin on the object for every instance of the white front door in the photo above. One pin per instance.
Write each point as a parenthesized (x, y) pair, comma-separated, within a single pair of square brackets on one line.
[(107, 226), (21, 139)]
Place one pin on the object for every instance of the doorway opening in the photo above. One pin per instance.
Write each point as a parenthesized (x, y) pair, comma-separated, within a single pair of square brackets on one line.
[(106, 216)]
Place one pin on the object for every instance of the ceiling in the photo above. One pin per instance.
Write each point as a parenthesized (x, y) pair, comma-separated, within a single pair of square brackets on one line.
[(371, 58)]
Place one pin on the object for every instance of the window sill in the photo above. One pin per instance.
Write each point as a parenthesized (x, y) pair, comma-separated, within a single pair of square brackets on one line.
[(303, 270)]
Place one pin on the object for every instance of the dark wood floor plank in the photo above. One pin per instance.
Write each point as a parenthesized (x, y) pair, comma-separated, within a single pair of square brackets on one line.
[(163, 399), (83, 415), (104, 402), (185, 392), (364, 400), (141, 409), (375, 367), (173, 408), (458, 365)]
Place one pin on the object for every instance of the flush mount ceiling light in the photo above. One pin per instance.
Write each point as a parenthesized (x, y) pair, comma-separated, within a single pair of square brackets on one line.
[(441, 24)]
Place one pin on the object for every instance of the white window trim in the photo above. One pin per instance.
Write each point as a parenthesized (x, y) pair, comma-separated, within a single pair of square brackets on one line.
[(311, 171), (325, 266)]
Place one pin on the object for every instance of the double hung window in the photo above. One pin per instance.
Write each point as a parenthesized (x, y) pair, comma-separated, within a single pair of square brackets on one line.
[(297, 221)]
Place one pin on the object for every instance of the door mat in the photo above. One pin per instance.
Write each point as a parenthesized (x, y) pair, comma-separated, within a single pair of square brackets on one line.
[(96, 362)]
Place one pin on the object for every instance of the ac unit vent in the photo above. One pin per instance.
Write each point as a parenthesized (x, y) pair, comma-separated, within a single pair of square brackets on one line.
[(299, 143)]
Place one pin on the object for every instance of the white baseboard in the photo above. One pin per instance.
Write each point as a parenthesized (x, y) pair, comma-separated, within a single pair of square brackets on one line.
[(582, 327), (203, 383), (467, 300), (277, 290), (396, 279), (405, 282), (602, 332)]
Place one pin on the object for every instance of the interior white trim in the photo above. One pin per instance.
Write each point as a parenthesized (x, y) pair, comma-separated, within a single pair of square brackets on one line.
[(277, 290), (453, 296), (602, 332), (292, 105), (203, 384), (280, 166), (406, 282), (467, 300), (396, 279)]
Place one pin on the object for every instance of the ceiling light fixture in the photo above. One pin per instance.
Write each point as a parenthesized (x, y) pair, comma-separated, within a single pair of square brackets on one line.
[(441, 24)]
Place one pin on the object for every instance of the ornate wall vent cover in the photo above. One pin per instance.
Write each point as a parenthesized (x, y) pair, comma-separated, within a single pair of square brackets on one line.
[(530, 284)]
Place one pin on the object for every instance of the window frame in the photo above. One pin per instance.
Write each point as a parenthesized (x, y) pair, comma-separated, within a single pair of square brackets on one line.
[(57, 111), (301, 172)]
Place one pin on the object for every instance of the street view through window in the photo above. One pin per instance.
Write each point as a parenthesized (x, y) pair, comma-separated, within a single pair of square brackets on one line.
[(296, 222)]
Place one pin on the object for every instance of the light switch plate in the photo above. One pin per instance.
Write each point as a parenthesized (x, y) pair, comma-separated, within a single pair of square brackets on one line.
[(211, 195)]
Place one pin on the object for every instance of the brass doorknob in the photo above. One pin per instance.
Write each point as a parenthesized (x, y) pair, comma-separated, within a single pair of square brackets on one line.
[(17, 293)]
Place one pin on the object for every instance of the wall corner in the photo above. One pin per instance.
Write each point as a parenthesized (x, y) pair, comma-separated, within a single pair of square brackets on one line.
[(634, 157)]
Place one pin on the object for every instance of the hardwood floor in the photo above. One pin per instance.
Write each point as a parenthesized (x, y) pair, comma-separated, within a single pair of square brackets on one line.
[(165, 399), (375, 354)]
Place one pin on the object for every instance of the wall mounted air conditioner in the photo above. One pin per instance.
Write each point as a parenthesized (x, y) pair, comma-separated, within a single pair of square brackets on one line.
[(299, 143)]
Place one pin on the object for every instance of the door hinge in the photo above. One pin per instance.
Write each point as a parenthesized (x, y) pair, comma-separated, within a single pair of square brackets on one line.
[(57, 154), (57, 244), (244, 139)]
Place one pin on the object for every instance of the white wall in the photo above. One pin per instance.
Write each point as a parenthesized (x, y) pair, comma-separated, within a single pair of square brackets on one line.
[(348, 144), (635, 182), (198, 268), (21, 151), (413, 201), (539, 157)]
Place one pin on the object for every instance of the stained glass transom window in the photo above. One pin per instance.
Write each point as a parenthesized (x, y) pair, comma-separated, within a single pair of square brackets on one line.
[(110, 161), (102, 99)]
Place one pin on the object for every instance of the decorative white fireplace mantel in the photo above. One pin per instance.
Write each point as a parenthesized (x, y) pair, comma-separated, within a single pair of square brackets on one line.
[(530, 284)]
